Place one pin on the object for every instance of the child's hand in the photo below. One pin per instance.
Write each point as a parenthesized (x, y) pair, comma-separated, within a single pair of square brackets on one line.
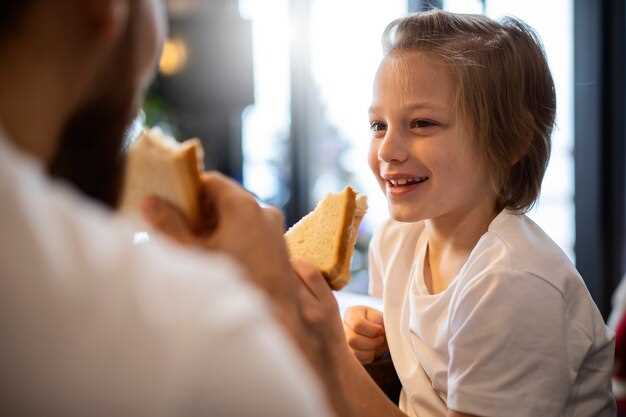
[(365, 333)]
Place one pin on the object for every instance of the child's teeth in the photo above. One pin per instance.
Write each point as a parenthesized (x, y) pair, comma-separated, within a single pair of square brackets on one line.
[(407, 181)]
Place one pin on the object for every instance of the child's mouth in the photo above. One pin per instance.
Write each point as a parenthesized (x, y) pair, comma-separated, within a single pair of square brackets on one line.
[(404, 185)]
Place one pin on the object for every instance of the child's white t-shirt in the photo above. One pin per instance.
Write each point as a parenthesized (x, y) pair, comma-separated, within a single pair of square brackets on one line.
[(516, 333)]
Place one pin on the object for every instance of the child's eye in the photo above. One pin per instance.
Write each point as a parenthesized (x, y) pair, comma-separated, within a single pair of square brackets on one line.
[(377, 126), (422, 124)]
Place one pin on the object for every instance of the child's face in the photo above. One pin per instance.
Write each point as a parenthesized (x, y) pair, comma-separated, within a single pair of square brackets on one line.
[(423, 155)]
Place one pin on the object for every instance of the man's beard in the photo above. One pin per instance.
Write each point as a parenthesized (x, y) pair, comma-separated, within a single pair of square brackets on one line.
[(90, 154)]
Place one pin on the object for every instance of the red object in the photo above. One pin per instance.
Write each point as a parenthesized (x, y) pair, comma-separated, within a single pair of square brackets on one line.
[(619, 371)]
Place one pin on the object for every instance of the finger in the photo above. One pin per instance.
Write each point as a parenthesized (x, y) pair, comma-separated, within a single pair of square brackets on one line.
[(382, 350), (366, 343), (364, 357), (374, 316), (208, 213), (167, 219), (216, 180), (305, 296), (275, 217), (225, 193), (366, 328), (222, 199), (313, 280), (354, 314)]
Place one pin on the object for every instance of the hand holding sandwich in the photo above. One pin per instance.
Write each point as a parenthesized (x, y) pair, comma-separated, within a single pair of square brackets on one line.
[(195, 208), (254, 236), (306, 307), (214, 213), (239, 227), (350, 389), (165, 179)]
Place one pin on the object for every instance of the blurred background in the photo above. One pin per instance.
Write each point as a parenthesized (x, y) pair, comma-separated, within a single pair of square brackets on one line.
[(278, 91)]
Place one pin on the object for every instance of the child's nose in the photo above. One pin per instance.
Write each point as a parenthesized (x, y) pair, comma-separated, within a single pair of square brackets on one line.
[(393, 147)]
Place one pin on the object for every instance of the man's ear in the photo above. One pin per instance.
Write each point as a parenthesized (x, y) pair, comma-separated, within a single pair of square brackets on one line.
[(106, 18)]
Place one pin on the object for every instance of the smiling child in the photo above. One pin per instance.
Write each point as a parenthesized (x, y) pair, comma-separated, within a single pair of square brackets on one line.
[(483, 313)]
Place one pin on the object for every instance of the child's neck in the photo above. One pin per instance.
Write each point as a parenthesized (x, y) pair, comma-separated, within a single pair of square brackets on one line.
[(451, 238)]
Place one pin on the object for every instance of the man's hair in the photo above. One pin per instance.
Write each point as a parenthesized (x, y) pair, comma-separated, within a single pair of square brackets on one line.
[(11, 12), (504, 89)]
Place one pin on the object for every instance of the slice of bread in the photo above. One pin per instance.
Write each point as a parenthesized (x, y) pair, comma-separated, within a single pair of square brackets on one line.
[(326, 236), (158, 165), (345, 276)]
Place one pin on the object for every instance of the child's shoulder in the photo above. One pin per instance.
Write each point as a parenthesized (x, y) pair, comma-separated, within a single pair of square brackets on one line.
[(517, 261), (516, 245)]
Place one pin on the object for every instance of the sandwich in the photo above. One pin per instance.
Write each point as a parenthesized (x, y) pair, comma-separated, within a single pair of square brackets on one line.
[(326, 236), (158, 165)]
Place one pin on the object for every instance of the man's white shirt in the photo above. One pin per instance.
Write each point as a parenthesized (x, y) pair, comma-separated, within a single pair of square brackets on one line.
[(93, 325)]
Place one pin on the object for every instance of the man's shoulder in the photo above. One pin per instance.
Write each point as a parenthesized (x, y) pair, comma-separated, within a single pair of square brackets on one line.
[(70, 240)]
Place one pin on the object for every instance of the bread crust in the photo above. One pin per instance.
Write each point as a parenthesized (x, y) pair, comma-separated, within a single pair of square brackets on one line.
[(344, 276), (191, 163), (179, 166), (334, 225), (343, 238)]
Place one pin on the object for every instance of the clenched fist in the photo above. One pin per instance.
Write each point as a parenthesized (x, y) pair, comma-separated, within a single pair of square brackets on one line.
[(365, 333)]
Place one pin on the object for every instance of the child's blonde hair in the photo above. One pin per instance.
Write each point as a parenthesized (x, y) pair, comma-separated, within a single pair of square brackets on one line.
[(505, 90)]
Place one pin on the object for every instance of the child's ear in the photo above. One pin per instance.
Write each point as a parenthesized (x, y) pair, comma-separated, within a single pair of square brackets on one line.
[(521, 151), (525, 124), (517, 159)]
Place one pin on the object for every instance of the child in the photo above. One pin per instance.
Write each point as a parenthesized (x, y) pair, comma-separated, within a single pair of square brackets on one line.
[(483, 314)]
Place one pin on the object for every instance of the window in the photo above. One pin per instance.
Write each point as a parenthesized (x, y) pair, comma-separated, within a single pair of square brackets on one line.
[(266, 123)]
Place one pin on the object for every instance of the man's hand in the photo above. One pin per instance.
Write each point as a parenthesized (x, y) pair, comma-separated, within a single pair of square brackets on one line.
[(318, 305), (365, 333), (322, 338), (234, 223)]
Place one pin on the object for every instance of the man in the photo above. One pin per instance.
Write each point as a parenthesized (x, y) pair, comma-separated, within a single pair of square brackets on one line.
[(90, 324)]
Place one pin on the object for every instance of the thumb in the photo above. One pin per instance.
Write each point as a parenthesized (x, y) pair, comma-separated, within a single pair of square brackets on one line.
[(167, 219), (374, 316)]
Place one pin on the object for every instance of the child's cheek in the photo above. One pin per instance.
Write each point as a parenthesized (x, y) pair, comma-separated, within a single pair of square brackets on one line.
[(373, 161), (444, 168)]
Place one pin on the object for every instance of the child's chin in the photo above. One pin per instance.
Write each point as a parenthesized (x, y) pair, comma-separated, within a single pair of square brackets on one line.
[(404, 215)]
